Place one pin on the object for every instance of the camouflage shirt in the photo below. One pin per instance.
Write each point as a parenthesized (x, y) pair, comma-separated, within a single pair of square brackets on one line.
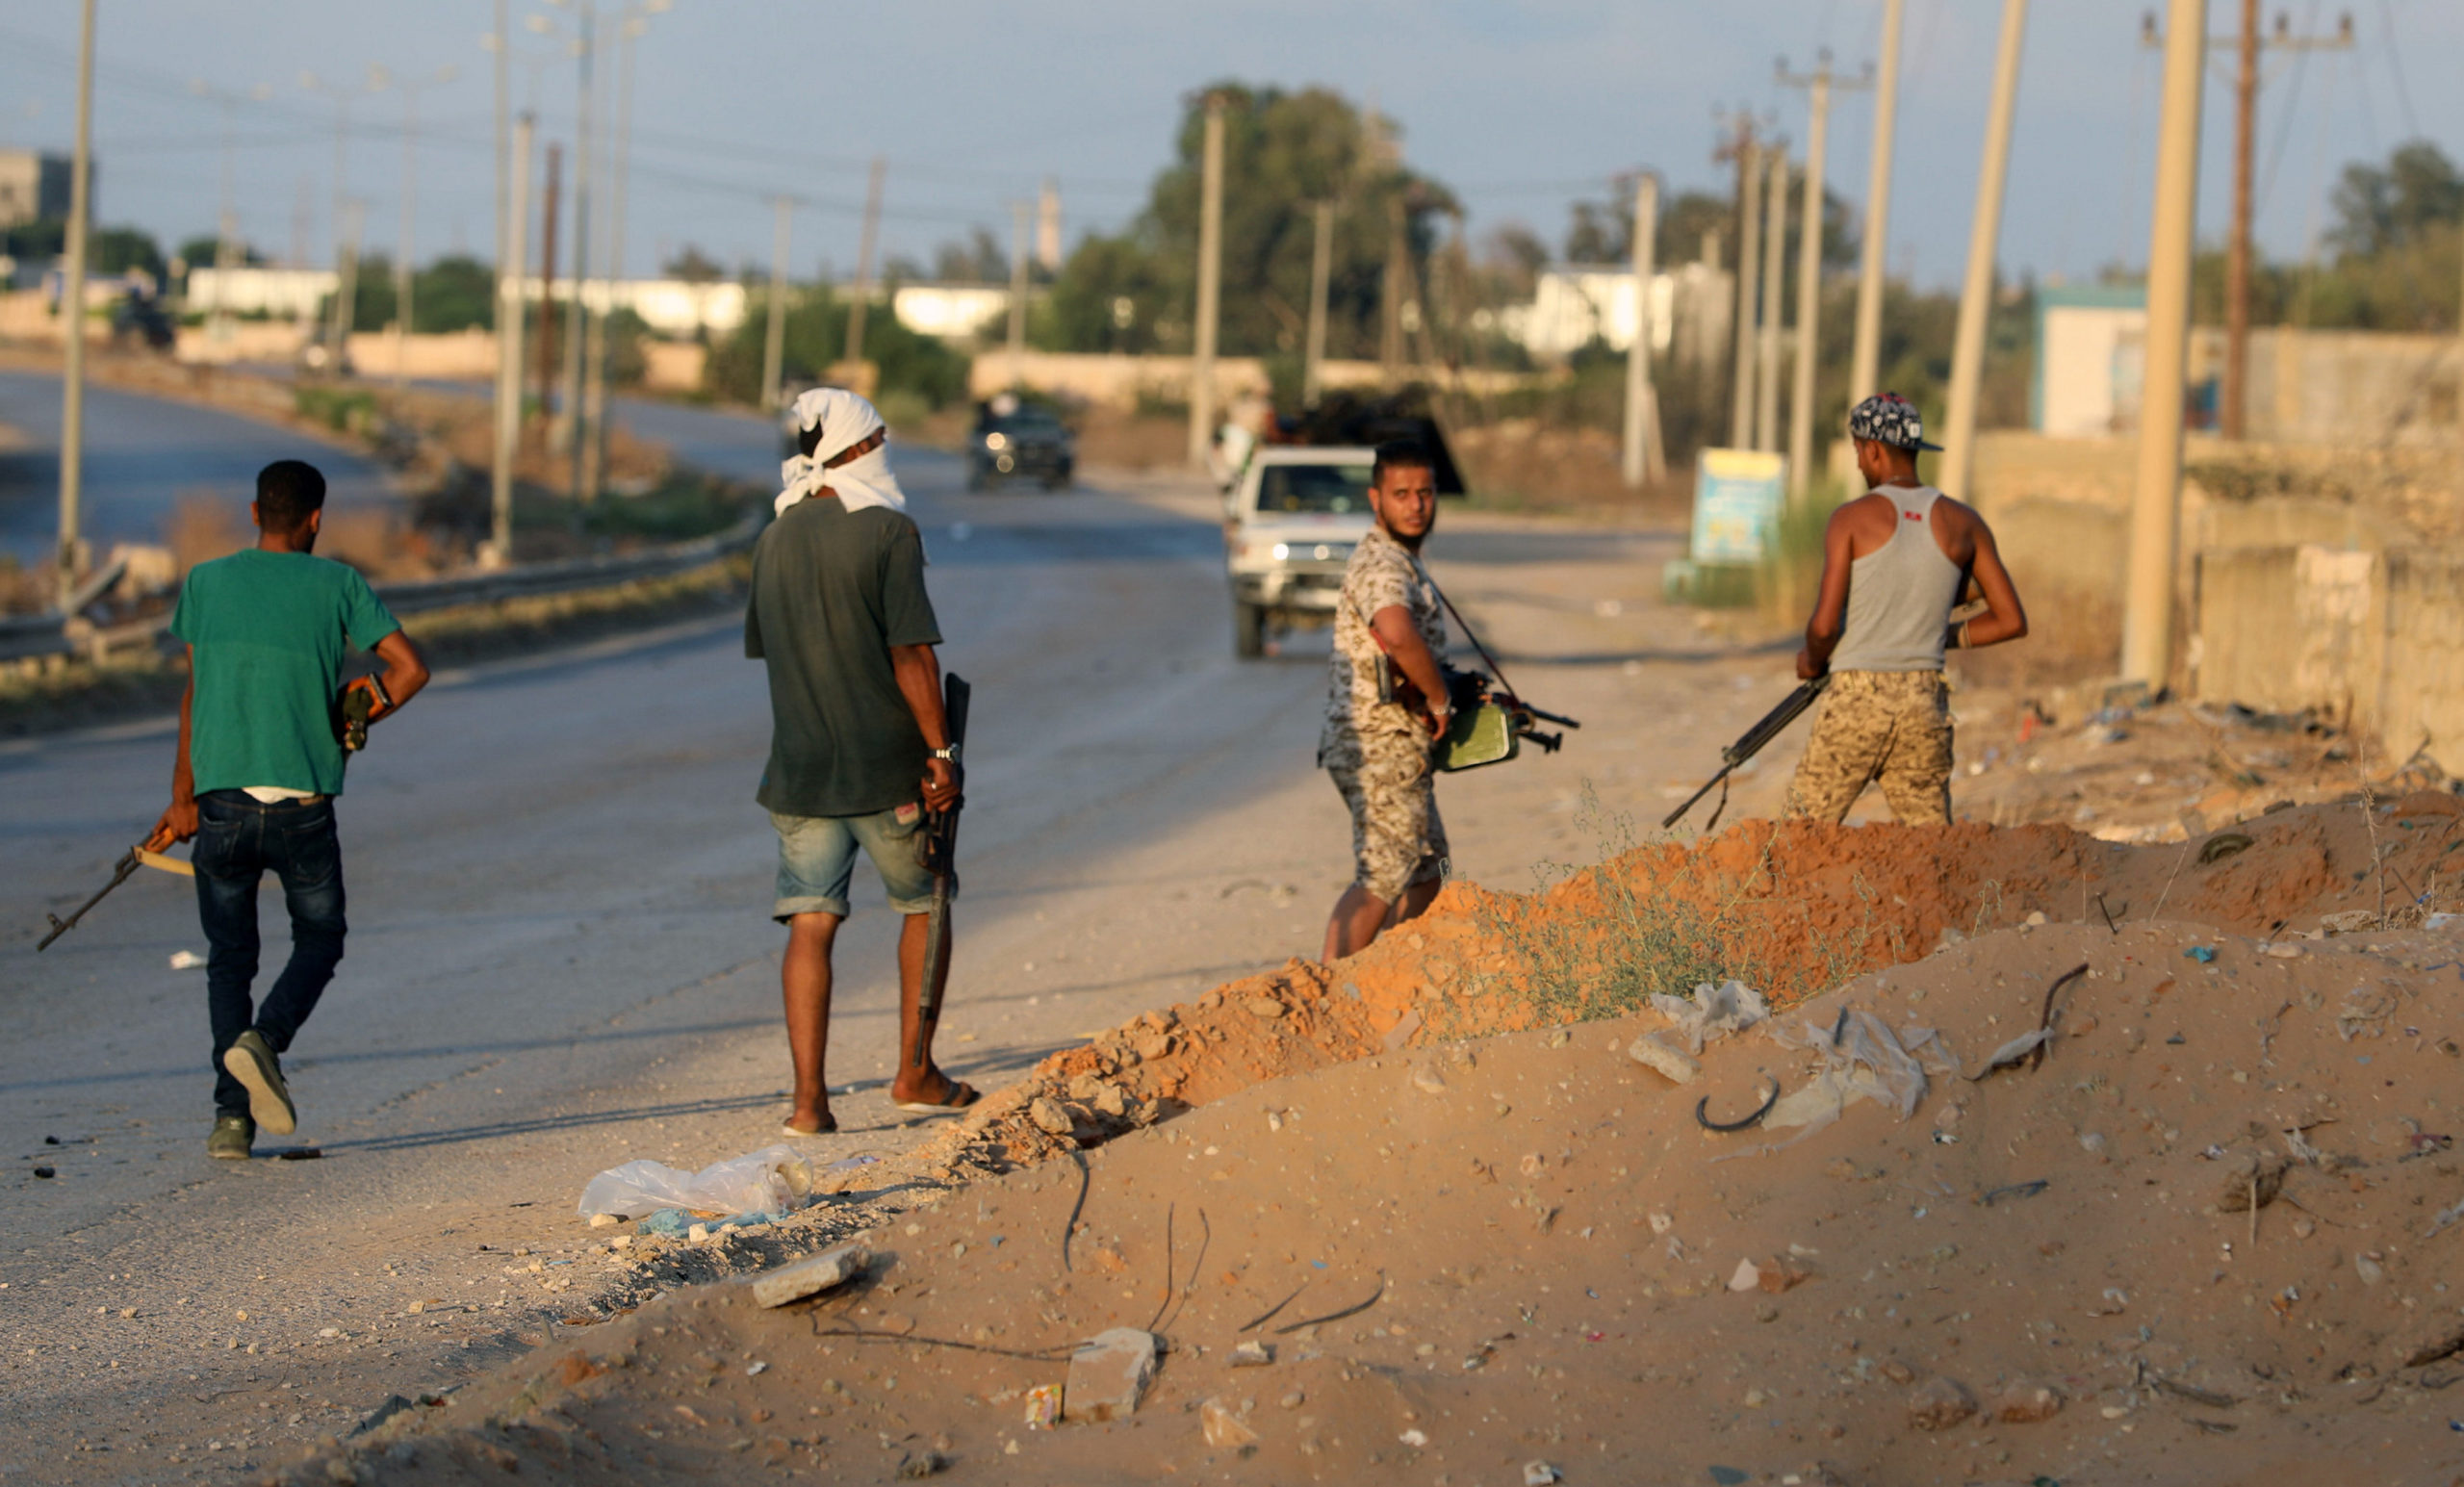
[(1382, 575)]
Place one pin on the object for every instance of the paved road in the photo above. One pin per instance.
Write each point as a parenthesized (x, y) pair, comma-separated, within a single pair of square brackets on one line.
[(559, 956), (143, 456)]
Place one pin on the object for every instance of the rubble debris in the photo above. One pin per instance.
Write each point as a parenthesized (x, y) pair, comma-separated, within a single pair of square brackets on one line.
[(1109, 1374), (1224, 1427), (1940, 1403), (833, 1266), (1673, 1064)]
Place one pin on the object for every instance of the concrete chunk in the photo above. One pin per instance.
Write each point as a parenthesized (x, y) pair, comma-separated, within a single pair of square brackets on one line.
[(810, 1277), (1674, 1064), (1109, 1374)]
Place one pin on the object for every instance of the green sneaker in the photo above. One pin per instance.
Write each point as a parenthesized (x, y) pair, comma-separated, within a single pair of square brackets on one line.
[(251, 1062), (231, 1138)]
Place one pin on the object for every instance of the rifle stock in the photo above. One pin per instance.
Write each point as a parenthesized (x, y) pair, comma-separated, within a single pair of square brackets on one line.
[(1753, 741)]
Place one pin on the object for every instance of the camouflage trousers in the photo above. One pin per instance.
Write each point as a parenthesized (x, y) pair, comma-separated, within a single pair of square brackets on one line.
[(1396, 837), (1886, 727)]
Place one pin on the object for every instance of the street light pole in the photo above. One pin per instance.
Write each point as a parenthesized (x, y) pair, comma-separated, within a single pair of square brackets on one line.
[(774, 340), (2156, 502), (1818, 86), (508, 410), (1775, 244), (404, 281), (1322, 260), (1864, 362), (1210, 284), (578, 311), (1984, 229), (1642, 438), (72, 315)]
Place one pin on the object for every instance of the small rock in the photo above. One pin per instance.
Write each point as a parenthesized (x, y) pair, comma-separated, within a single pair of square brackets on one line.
[(1539, 1474), (1674, 1064), (2036, 916), (923, 1464), (1109, 1374), (2283, 952), (2348, 921), (1756, 1399), (2304, 1228), (1048, 1116), (2026, 1403), (1265, 1006), (1427, 1080), (1898, 1372), (1252, 1355), (2371, 1272), (1661, 1224), (1293, 1399), (810, 1277), (756, 1369), (1782, 1274), (1748, 1276), (1224, 1428), (1110, 1099), (1154, 1047), (1940, 1403), (604, 1221)]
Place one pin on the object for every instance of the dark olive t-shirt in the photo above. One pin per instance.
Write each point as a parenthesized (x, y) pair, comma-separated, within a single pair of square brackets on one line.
[(833, 590)]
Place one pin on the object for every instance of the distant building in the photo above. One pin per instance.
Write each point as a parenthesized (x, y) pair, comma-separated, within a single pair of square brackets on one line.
[(2090, 349), (33, 186), (953, 312), (1690, 311)]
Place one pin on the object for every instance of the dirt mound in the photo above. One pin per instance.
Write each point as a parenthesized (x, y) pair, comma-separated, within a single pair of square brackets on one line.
[(2208, 1237)]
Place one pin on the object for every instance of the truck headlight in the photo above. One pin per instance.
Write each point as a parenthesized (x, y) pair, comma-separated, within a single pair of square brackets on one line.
[(1282, 551), (996, 440)]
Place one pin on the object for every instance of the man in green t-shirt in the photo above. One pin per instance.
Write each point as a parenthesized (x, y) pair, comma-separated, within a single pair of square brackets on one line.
[(859, 746), (261, 759)]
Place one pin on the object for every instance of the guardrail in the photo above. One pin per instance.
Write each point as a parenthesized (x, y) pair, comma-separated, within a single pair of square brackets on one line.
[(24, 637)]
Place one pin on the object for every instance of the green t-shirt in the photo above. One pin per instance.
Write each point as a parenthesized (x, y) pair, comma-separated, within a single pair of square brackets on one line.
[(833, 590), (269, 632)]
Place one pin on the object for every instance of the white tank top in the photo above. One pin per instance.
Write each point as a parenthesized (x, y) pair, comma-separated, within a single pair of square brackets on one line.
[(1901, 593)]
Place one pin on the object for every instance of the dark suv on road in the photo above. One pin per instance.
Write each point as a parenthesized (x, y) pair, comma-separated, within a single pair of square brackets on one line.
[(1020, 443)]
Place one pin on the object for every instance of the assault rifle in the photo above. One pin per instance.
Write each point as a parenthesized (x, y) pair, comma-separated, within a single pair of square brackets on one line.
[(937, 847), (129, 863), (1774, 723)]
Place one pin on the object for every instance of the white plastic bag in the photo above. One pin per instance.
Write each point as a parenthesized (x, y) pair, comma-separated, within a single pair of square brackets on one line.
[(770, 1181), (1713, 1011), (1864, 1062)]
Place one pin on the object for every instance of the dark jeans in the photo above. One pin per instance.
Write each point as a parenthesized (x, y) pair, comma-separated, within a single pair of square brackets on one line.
[(239, 838)]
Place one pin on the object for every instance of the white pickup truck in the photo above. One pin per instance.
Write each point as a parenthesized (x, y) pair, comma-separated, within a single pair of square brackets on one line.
[(1290, 522)]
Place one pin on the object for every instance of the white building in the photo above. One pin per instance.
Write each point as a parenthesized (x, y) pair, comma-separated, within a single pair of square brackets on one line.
[(1571, 306)]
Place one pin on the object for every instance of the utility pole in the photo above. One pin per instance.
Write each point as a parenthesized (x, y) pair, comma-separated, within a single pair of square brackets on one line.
[(508, 410), (1983, 235), (1775, 241), (338, 322), (2233, 410), (570, 425), (1321, 263), (347, 290), (1864, 363), (508, 291), (2156, 502), (1817, 85), (630, 28), (1748, 253), (1209, 286), (865, 243), (774, 340), (1018, 246), (226, 219), (547, 214), (72, 315), (1643, 456)]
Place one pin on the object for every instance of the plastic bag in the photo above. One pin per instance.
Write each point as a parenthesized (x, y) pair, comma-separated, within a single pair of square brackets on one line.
[(1864, 1062), (1713, 1011), (770, 1181)]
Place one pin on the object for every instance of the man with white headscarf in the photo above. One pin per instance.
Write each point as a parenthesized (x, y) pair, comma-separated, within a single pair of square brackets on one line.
[(858, 745)]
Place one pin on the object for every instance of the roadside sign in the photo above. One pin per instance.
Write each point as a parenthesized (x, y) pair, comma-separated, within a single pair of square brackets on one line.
[(1737, 499)]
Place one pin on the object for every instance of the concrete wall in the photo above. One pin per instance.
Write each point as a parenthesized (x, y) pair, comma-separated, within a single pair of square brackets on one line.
[(2375, 639), (1120, 382)]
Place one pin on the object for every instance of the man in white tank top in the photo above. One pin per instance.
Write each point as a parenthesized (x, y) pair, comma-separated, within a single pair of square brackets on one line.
[(1896, 562)]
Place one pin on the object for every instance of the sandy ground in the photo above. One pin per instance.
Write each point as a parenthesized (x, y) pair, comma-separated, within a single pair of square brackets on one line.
[(2208, 1237)]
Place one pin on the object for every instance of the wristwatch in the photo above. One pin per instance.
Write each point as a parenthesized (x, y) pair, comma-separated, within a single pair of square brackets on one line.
[(950, 753)]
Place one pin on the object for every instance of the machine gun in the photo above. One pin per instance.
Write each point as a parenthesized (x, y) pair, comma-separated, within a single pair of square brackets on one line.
[(1773, 724), (129, 863), (937, 847), (1489, 719)]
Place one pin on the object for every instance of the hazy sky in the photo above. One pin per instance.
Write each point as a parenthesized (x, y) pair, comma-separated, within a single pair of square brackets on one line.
[(1522, 108)]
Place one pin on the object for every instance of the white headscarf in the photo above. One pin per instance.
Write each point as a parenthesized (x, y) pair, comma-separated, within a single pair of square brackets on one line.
[(845, 419)]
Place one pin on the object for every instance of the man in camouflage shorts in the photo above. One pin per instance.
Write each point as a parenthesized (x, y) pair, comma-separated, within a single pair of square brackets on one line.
[(1894, 562), (1377, 748)]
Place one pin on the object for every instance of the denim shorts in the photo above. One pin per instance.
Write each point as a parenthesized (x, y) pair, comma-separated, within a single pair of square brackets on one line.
[(817, 858)]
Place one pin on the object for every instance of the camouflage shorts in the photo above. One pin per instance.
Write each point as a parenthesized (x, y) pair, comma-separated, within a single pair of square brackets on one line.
[(1397, 838), (1886, 727)]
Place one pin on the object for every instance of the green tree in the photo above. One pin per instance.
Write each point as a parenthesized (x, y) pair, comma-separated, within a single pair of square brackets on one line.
[(454, 294), (1283, 152), (2383, 207), (816, 336), (119, 249)]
